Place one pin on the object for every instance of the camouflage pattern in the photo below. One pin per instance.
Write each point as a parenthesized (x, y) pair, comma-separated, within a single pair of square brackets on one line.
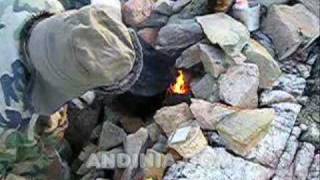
[(16, 119)]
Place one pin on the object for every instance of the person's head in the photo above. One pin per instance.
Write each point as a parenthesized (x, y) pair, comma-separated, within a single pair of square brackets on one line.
[(79, 50)]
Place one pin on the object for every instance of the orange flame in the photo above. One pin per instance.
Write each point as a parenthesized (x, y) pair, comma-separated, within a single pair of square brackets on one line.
[(181, 86)]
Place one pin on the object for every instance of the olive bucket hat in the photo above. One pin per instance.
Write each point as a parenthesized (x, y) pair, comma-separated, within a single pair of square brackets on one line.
[(79, 50)]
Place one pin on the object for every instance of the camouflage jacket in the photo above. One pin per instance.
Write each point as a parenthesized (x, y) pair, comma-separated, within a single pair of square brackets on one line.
[(15, 115)]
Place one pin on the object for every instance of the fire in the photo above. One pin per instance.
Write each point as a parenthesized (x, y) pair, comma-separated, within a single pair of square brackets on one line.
[(181, 86)]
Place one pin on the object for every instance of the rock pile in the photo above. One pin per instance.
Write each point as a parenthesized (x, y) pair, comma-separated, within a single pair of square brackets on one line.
[(241, 123)]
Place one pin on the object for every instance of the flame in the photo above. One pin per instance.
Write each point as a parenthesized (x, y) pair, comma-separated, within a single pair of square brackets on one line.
[(181, 86)]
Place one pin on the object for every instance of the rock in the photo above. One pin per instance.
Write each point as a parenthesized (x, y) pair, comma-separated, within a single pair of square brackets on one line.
[(312, 135), (14, 177), (161, 145), (239, 85), (314, 172), (268, 67), (291, 83), (244, 129), (170, 117), (164, 7), (192, 9), (206, 88), (135, 12), (303, 161), (131, 124), (194, 143), (209, 115), (154, 131), (215, 140), (284, 169), (155, 20), (269, 150), (179, 5), (272, 2), (87, 151), (149, 35), (217, 164), (225, 31), (134, 145), (189, 57), (111, 136), (270, 97), (265, 41), (174, 38), (213, 59), (292, 31), (154, 164), (312, 5)]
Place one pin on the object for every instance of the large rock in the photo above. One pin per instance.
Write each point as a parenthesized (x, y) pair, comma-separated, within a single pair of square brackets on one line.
[(289, 31), (272, 2), (134, 145), (189, 57), (176, 37), (312, 5), (206, 88), (268, 67), (217, 164), (169, 118), (208, 115), (192, 142), (239, 85), (192, 9), (270, 149), (225, 31), (136, 12), (111, 136), (244, 129)]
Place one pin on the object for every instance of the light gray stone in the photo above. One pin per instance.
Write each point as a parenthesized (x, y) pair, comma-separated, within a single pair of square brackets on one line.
[(314, 172), (272, 2), (169, 118), (189, 57), (291, 83), (312, 5), (303, 161), (244, 129), (225, 31), (268, 67), (175, 37), (208, 115), (111, 136), (206, 88), (270, 97), (270, 149), (136, 12), (289, 31), (217, 164), (239, 85)]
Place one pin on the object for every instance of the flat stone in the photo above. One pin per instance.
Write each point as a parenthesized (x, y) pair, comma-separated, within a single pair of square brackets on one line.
[(170, 117), (194, 143), (244, 129), (291, 83), (312, 5), (173, 38), (271, 147), (214, 60), (292, 31), (192, 9), (208, 115), (239, 85), (217, 163), (154, 131), (189, 57), (206, 88), (135, 12), (270, 97), (268, 67), (135, 144), (225, 31), (314, 172), (111, 136), (303, 161)]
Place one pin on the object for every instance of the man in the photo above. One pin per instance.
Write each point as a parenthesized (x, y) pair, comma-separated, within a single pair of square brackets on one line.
[(53, 57)]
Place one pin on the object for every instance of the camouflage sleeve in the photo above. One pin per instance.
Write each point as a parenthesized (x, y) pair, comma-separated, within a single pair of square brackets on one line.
[(16, 118)]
